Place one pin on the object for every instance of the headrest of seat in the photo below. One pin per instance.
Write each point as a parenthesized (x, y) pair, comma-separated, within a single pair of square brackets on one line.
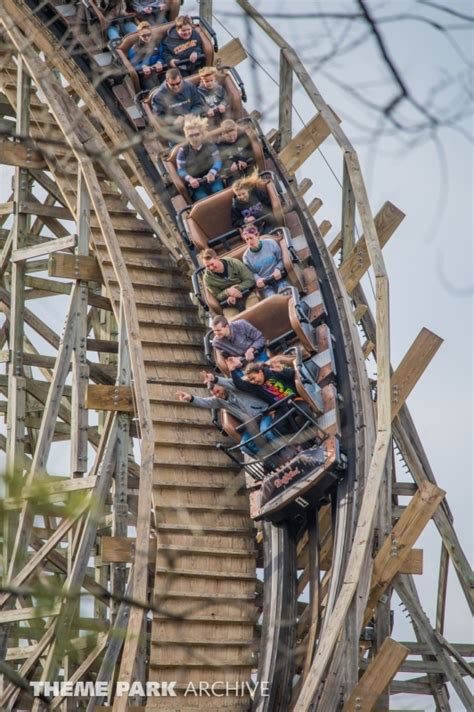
[(212, 214), (271, 316)]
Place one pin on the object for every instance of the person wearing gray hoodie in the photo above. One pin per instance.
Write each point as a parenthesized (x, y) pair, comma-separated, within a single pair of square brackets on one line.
[(243, 406)]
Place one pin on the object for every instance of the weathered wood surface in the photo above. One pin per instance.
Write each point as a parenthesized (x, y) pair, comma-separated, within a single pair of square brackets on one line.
[(301, 146), (74, 267), (118, 398), (376, 678), (412, 366)]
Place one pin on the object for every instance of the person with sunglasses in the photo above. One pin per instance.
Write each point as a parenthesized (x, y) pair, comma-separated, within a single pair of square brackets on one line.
[(265, 260), (145, 55), (175, 99), (198, 161)]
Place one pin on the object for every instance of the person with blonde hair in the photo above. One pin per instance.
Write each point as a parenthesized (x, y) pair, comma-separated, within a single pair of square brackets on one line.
[(236, 151), (182, 46), (213, 94), (198, 161), (251, 203), (145, 55)]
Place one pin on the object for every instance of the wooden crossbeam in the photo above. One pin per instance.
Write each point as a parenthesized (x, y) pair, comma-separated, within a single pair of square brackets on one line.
[(377, 676), (231, 54), (45, 248), (21, 155), (394, 551), (74, 267), (120, 550), (357, 263), (116, 398), (412, 366), (40, 209), (305, 143)]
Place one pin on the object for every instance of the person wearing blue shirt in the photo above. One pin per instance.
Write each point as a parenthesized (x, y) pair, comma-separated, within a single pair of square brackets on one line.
[(265, 260)]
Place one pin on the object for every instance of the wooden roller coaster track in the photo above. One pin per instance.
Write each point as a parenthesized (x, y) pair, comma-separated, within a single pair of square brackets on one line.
[(141, 563)]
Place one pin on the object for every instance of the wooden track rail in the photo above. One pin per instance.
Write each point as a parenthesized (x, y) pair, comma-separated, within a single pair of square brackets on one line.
[(173, 593)]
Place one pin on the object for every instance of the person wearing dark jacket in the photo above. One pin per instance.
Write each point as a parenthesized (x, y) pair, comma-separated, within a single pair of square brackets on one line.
[(251, 203), (198, 161), (236, 152), (183, 46), (175, 99), (214, 95)]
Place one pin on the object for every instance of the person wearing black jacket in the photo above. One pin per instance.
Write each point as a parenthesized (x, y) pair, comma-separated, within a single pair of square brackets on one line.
[(236, 152), (250, 203), (198, 161), (272, 386), (183, 46), (175, 99)]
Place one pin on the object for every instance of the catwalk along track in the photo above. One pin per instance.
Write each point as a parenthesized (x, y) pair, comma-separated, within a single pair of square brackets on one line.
[(153, 526)]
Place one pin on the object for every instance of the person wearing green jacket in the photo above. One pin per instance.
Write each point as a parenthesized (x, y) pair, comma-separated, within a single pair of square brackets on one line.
[(229, 281)]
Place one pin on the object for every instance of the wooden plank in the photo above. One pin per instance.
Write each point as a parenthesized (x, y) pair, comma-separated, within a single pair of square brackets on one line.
[(394, 551), (324, 227), (231, 54), (74, 267), (305, 142), (314, 205), (442, 589), (120, 550), (20, 154), (49, 211), (413, 564), (45, 248), (359, 312), (377, 676), (115, 398), (348, 214), (412, 366), (357, 263), (285, 106)]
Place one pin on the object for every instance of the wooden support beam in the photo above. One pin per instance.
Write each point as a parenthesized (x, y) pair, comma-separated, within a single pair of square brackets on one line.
[(378, 675), (20, 154), (439, 647), (357, 263), (114, 398), (74, 267), (359, 312), (49, 211), (412, 366), (394, 551), (314, 205), (121, 550), (348, 213), (324, 227), (304, 186), (231, 54), (285, 106), (442, 589), (305, 142), (44, 248)]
